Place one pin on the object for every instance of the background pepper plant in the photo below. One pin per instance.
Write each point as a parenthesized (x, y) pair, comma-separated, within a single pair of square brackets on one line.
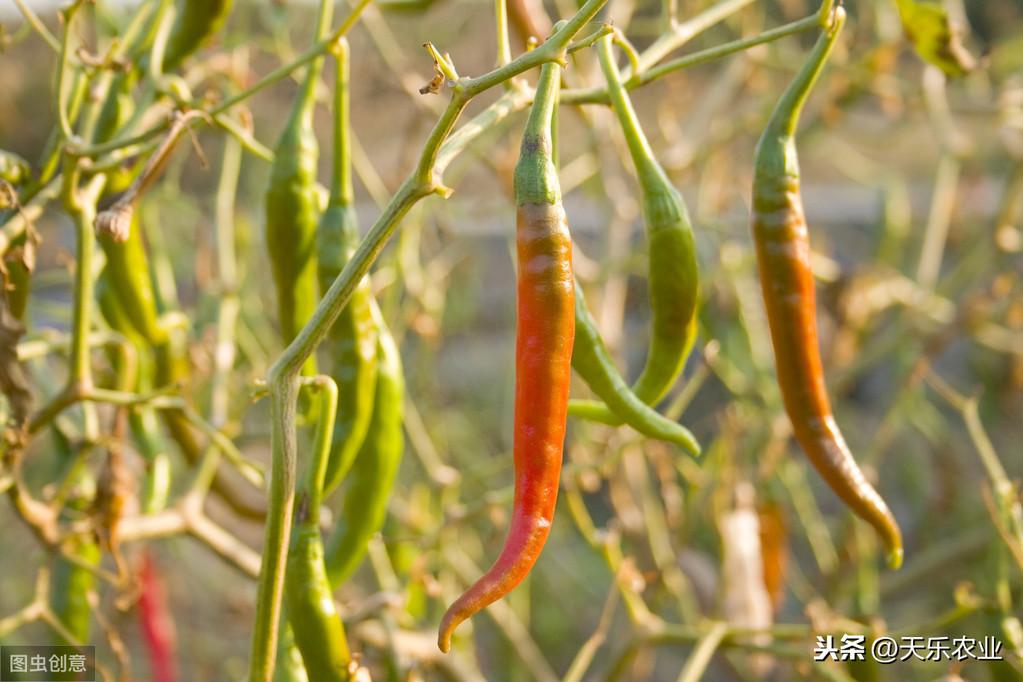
[(256, 335)]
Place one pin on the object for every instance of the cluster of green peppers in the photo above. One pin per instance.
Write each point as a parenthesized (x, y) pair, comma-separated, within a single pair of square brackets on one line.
[(365, 443)]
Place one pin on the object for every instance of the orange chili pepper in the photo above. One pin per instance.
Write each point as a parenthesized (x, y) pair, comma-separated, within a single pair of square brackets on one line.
[(783, 253), (543, 359)]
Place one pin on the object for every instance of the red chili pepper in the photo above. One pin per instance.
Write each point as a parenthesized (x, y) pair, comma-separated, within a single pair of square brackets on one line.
[(543, 359), (157, 623)]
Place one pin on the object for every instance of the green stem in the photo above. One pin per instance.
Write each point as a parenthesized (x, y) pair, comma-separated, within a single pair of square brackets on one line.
[(649, 171), (682, 33), (32, 19), (643, 77), (702, 654), (283, 394), (81, 204), (501, 21), (63, 69), (316, 51)]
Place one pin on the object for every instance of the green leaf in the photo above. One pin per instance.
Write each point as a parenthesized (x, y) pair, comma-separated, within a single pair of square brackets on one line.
[(936, 39)]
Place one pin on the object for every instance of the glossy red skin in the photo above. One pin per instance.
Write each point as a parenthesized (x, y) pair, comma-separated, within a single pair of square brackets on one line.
[(786, 278), (543, 364)]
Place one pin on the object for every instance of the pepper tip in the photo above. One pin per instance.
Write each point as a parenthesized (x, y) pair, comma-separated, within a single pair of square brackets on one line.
[(895, 558), (447, 627)]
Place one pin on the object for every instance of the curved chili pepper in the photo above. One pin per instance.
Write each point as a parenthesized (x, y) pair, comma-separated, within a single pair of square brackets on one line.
[(318, 631), (352, 340), (672, 271), (195, 23), (371, 479), (783, 253), (594, 364), (543, 359), (292, 210)]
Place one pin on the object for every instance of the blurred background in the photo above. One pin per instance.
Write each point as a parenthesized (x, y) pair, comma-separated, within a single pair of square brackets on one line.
[(913, 185)]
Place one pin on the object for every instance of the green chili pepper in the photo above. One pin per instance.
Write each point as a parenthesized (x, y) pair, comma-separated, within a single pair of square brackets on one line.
[(372, 476), (71, 582), (317, 629), (195, 23), (292, 210), (352, 341), (594, 364), (145, 427), (288, 667), (673, 272), (118, 107), (127, 272)]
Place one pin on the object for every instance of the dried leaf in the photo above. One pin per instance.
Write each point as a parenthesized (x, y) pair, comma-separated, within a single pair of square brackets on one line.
[(936, 38)]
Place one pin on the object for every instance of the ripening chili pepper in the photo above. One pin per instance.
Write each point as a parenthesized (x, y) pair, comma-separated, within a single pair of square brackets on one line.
[(594, 364), (352, 340), (543, 358), (364, 507), (195, 23), (317, 628), (783, 254), (292, 210), (672, 269), (157, 622)]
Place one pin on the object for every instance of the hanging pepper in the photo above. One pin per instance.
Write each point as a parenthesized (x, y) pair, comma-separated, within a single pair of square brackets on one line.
[(292, 210), (128, 275), (372, 475), (195, 23), (672, 269), (594, 364), (786, 278), (71, 582), (352, 341), (143, 422), (543, 356), (317, 628)]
